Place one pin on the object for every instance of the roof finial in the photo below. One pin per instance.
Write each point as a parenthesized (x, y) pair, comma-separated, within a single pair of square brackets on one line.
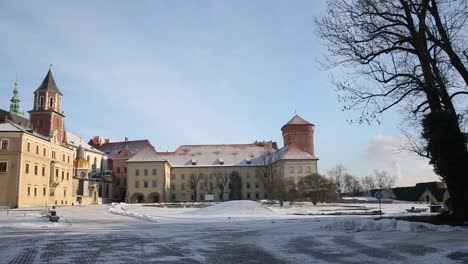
[(50, 66), (295, 112)]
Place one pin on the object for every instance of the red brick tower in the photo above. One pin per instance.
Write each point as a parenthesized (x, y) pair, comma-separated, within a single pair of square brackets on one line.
[(301, 132), (47, 116)]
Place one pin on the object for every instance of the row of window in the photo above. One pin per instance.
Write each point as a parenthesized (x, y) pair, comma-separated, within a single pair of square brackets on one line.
[(308, 169), (44, 191), (119, 182), (211, 176), (44, 153), (43, 172), (146, 172), (146, 184)]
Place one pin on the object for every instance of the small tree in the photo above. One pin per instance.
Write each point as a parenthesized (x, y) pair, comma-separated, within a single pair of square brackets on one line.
[(208, 185), (221, 183), (193, 181), (317, 188)]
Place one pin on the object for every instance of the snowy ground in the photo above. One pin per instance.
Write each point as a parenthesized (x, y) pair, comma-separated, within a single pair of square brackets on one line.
[(234, 232)]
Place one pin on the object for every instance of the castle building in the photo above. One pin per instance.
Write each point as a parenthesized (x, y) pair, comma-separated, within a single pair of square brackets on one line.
[(117, 154), (38, 164), (220, 172)]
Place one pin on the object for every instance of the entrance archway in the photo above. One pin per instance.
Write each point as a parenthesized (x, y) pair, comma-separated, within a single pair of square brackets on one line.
[(137, 198), (154, 197)]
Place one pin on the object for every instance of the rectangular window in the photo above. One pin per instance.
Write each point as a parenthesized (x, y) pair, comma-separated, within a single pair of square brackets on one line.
[(291, 169), (182, 177), (248, 195), (182, 186), (53, 154), (155, 171), (64, 193), (37, 150), (35, 170), (3, 166), (137, 172), (27, 168), (29, 146), (29, 191), (257, 196), (43, 191), (137, 184), (35, 191), (256, 185), (117, 182), (63, 175), (248, 185), (299, 169), (308, 169), (68, 175), (63, 158), (173, 187), (56, 173), (43, 171), (125, 169), (155, 184), (4, 144), (145, 184), (173, 177), (118, 169), (45, 152), (145, 172)]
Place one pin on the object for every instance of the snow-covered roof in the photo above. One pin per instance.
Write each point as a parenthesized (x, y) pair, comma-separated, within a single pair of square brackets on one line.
[(293, 152), (10, 127), (215, 155), (76, 141), (146, 154)]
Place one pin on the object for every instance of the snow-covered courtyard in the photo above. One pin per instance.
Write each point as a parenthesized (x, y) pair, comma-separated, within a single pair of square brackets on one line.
[(231, 232)]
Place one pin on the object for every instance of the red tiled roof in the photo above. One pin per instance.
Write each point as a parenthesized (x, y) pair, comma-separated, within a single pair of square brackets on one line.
[(297, 120)]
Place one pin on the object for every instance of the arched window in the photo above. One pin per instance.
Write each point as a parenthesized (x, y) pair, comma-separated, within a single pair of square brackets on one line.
[(41, 101), (51, 102)]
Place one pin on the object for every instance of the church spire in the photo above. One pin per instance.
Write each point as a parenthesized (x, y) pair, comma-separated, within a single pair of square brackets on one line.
[(14, 106)]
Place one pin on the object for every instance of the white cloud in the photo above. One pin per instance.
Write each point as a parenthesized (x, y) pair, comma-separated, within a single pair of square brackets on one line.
[(386, 152)]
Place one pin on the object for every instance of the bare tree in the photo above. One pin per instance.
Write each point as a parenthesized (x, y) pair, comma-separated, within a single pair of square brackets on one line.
[(409, 54), (222, 180), (317, 188), (351, 184), (337, 174), (368, 183), (383, 180), (285, 189), (193, 181), (208, 184), (267, 169)]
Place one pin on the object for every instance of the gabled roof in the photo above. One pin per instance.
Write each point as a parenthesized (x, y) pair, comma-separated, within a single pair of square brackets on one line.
[(114, 148), (49, 84), (297, 120), (17, 119), (11, 127), (76, 141), (148, 153)]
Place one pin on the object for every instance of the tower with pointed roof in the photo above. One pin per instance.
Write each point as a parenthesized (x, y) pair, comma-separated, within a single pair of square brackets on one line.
[(14, 105), (301, 132), (47, 116)]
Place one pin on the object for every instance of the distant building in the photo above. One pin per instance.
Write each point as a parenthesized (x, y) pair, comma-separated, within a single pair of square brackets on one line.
[(165, 176), (421, 192)]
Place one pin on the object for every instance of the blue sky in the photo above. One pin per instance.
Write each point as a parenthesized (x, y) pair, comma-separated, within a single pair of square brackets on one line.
[(191, 72)]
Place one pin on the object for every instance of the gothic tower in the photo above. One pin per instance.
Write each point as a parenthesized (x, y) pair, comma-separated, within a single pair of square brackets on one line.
[(301, 132), (47, 116), (14, 105)]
